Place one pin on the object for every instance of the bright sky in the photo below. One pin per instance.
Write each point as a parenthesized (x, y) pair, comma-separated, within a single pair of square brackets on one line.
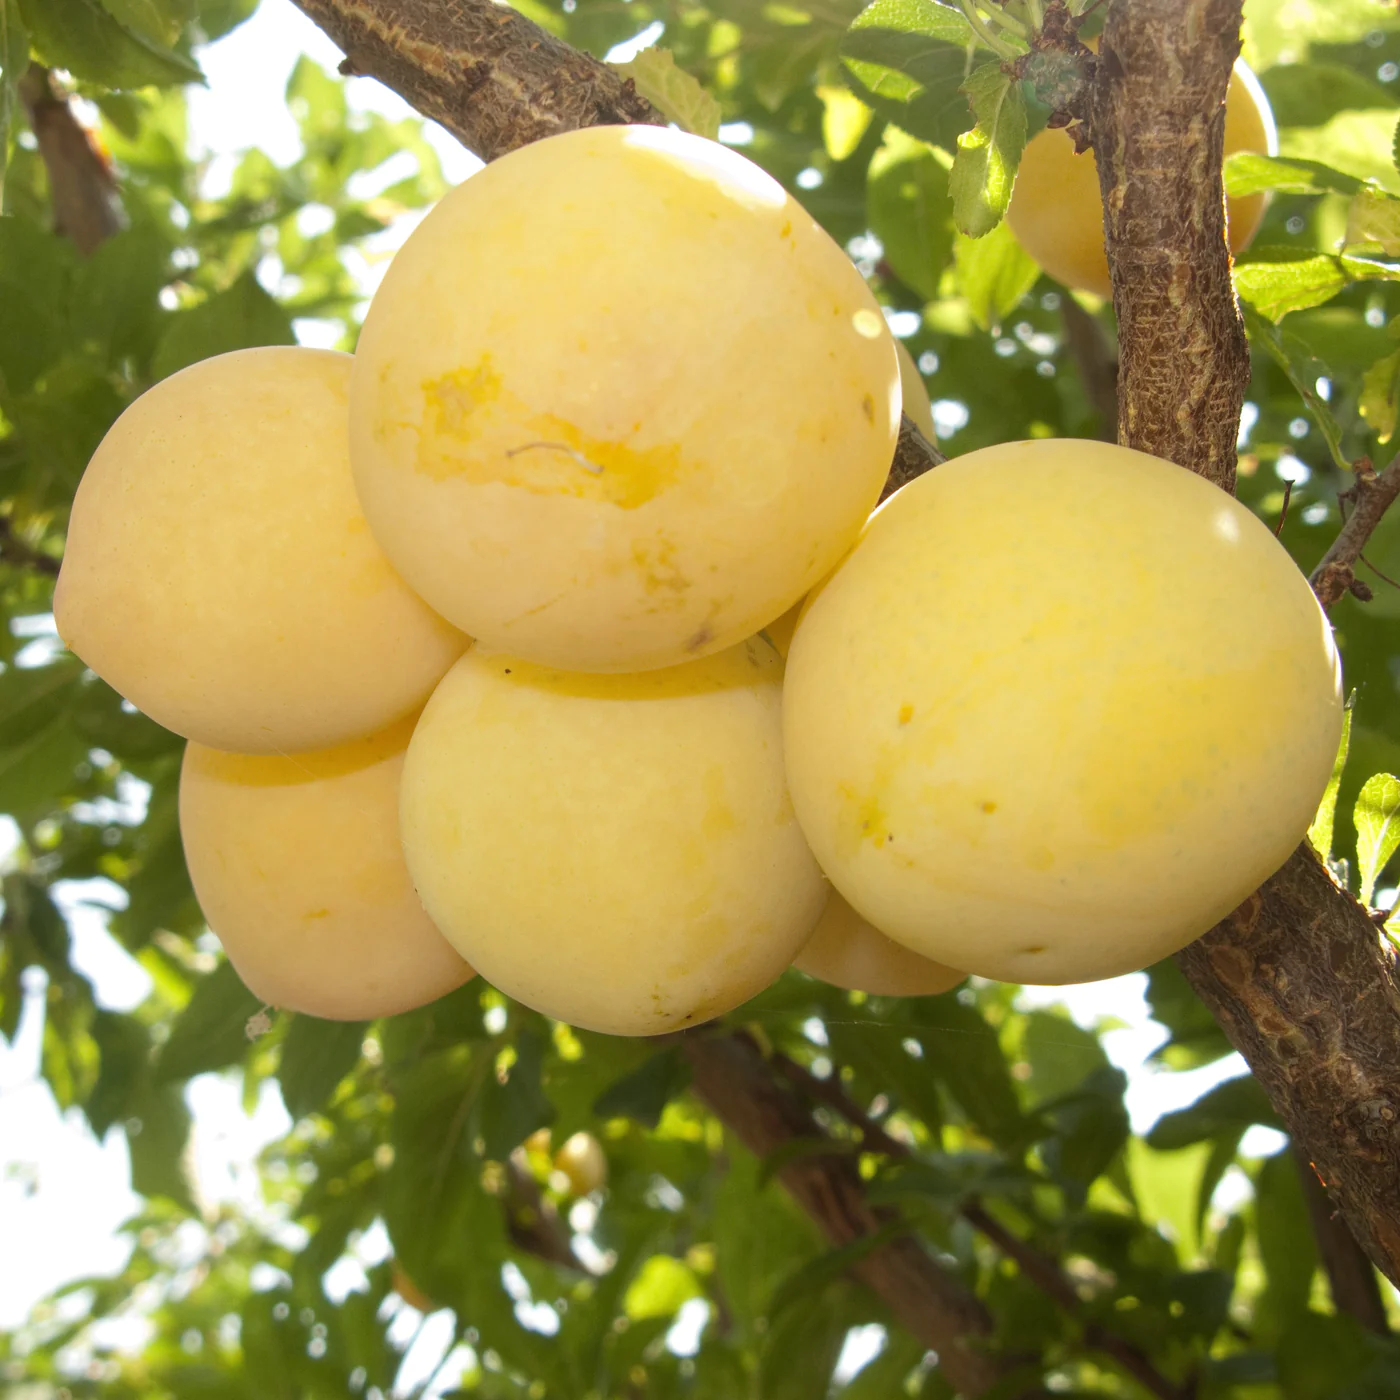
[(63, 1195)]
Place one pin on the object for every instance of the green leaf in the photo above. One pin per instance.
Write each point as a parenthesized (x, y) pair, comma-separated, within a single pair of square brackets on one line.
[(511, 1111), (984, 168), (14, 59), (1323, 1358), (125, 1045), (1379, 404), (1195, 1035), (674, 91), (643, 1093), (1274, 288), (81, 36), (907, 59), (212, 1031), (800, 1349), (1373, 223), (157, 1130), (1309, 94), (909, 210), (1377, 819), (845, 120), (994, 273), (1061, 1054), (1287, 1247), (1303, 371), (316, 1056), (1249, 172), (155, 21), (1230, 1107), (1090, 1127), (812, 1277), (36, 270), (1320, 832), (237, 319), (659, 1288), (962, 1050)]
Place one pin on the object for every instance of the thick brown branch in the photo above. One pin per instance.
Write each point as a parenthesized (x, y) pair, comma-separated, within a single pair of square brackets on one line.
[(1038, 1269), (1368, 499), (491, 77), (1350, 1274), (1157, 122), (86, 206), (730, 1074), (1307, 991), (1296, 976)]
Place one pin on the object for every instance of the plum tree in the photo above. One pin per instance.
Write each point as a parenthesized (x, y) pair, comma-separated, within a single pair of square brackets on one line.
[(219, 573), (1057, 743), (1056, 212), (696, 441), (617, 851), (297, 866), (849, 952)]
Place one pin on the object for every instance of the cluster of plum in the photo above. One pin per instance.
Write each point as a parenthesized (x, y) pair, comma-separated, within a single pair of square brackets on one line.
[(552, 633)]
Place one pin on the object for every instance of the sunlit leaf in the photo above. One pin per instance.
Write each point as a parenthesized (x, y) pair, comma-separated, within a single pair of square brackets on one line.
[(1377, 820), (675, 92), (984, 168)]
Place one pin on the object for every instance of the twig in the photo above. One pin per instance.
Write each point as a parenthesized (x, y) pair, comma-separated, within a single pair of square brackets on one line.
[(20, 554), (86, 205), (1036, 1267), (914, 454), (1370, 497)]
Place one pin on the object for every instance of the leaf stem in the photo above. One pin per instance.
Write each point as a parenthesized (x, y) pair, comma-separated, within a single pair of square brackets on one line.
[(980, 28), (1034, 14)]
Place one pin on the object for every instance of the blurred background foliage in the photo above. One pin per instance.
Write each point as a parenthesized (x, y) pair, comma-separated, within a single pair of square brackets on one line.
[(441, 1124)]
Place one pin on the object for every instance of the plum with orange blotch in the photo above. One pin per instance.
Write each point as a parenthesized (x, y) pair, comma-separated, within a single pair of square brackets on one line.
[(615, 851), (296, 863), (1056, 210), (219, 572), (1057, 742), (695, 442), (848, 951)]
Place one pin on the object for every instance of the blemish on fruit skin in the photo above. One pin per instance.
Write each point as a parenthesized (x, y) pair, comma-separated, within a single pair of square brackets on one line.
[(906, 713), (1033, 950), (867, 407), (316, 914), (700, 637), (989, 807), (477, 430)]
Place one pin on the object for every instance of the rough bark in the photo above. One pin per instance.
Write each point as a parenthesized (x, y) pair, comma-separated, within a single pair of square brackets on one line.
[(1351, 1277), (1296, 976), (732, 1077), (86, 205), (1305, 988), (1369, 498), (491, 77), (1157, 122)]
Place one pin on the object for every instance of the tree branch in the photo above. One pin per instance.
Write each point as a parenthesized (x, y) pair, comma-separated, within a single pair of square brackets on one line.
[(491, 77), (1296, 976), (913, 456), (1038, 1269), (732, 1077), (1369, 498), (86, 205), (1351, 1276), (20, 554), (1157, 123)]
